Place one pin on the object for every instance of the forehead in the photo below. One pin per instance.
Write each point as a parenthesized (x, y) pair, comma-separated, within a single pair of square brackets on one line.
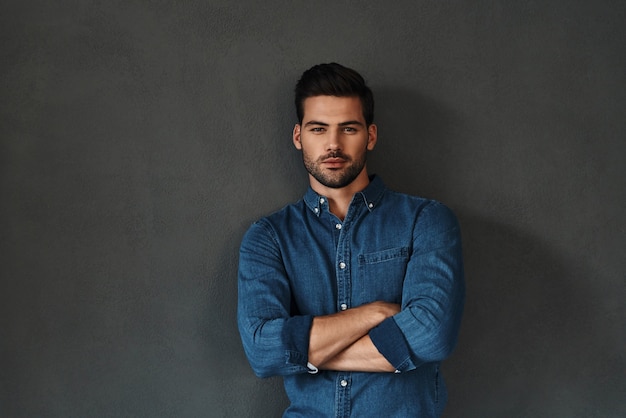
[(332, 109)]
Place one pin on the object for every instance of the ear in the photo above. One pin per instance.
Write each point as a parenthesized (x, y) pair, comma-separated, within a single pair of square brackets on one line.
[(372, 132), (296, 136)]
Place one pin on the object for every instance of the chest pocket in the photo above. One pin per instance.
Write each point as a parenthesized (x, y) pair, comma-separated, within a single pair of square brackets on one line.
[(381, 275)]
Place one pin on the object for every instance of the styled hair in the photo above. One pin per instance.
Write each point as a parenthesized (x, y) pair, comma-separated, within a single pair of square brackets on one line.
[(334, 80)]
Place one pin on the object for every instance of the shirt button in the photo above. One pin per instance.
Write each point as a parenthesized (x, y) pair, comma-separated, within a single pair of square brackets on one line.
[(322, 201), (342, 265), (338, 226), (316, 210), (371, 205), (344, 306), (344, 383)]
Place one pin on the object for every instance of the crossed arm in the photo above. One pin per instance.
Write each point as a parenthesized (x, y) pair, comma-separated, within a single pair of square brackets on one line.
[(279, 342), (341, 342)]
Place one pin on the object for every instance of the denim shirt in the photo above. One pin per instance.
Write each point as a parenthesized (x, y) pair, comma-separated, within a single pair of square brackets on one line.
[(303, 261)]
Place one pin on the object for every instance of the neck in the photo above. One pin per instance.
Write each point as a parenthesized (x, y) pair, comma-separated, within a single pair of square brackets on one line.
[(339, 198)]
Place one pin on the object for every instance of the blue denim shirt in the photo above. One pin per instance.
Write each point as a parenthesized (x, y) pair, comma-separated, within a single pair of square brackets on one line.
[(303, 261)]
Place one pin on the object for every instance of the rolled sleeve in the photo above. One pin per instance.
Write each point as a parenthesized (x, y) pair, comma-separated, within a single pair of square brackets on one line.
[(389, 340), (275, 341)]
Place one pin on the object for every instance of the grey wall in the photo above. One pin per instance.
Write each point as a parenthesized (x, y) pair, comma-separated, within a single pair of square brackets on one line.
[(138, 141)]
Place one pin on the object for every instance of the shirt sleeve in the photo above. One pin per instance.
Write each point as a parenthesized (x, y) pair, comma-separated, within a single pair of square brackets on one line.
[(275, 341), (426, 329)]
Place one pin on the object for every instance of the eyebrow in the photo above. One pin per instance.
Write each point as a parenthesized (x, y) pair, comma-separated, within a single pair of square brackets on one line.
[(346, 123)]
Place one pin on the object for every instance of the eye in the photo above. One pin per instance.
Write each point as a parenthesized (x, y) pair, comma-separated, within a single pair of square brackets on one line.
[(349, 130), (317, 129)]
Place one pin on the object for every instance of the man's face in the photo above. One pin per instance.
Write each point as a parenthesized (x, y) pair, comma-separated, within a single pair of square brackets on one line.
[(334, 139)]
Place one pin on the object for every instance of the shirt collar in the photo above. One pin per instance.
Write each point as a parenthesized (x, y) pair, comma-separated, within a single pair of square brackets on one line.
[(371, 196)]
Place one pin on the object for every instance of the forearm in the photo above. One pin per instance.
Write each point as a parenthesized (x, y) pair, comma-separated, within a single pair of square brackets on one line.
[(361, 356), (332, 334)]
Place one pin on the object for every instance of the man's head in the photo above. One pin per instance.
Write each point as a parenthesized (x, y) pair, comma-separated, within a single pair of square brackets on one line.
[(335, 129), (334, 80)]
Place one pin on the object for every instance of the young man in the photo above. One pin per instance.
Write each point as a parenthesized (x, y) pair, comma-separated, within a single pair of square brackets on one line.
[(354, 294)]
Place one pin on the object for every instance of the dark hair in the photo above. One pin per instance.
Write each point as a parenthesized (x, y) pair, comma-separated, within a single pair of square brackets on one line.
[(334, 80)]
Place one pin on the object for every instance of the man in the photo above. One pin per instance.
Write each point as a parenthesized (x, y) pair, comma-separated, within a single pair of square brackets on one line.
[(354, 294)]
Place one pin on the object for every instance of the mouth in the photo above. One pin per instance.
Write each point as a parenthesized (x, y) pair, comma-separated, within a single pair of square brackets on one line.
[(334, 162)]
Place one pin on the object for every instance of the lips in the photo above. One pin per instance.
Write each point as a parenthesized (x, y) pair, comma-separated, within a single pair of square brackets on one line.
[(334, 162)]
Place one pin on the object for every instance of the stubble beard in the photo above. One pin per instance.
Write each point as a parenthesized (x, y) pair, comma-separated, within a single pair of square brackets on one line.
[(334, 178)]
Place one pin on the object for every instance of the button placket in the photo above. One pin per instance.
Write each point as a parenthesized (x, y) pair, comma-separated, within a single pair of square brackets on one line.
[(342, 232), (342, 394), (342, 271)]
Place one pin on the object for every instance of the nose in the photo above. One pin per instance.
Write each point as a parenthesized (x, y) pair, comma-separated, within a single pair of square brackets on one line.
[(333, 142)]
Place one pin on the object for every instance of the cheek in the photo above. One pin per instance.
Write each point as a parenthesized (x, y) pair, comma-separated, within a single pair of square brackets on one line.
[(310, 150), (306, 156)]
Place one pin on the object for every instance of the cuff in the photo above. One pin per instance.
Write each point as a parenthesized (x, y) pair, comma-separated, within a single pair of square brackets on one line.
[(296, 337), (390, 342)]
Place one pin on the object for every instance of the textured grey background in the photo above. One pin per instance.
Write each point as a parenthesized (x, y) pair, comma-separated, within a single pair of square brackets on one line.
[(138, 141)]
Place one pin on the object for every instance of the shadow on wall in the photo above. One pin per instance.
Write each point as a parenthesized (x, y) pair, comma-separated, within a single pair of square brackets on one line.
[(534, 341), (415, 138)]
